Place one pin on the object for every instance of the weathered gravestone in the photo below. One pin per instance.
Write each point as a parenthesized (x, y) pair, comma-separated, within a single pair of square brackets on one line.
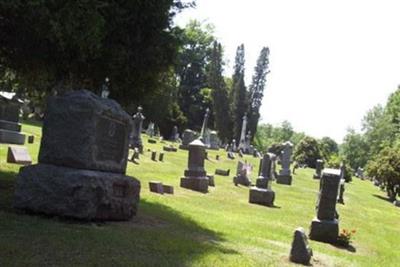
[(18, 155), (285, 176), (168, 189), (152, 141), (319, 165), (222, 172), (214, 140), (187, 137), (153, 155), (161, 157), (156, 187), (264, 171), (300, 252), (174, 135), (82, 162), (325, 227), (31, 139), (150, 129), (241, 175), (195, 176), (9, 120), (136, 134)]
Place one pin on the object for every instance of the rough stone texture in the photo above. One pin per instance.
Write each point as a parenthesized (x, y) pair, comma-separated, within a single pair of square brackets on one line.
[(161, 157), (222, 172), (261, 196), (168, 189), (300, 251), (319, 165), (195, 175), (31, 139), (18, 155), (324, 230), (156, 187), (81, 194), (284, 179), (84, 131)]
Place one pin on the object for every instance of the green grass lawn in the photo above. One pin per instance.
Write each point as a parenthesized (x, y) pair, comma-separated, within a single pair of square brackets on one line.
[(192, 229)]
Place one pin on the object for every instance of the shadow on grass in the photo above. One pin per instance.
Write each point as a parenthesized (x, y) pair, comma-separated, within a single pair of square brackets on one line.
[(349, 247), (158, 236), (382, 197)]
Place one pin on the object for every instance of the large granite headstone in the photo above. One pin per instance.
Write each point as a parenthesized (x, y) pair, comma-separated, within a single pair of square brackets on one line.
[(82, 162), (265, 171), (195, 176), (325, 227), (285, 176), (319, 165), (9, 120)]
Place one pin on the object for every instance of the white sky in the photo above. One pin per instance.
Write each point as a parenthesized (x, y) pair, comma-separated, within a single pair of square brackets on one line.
[(330, 61)]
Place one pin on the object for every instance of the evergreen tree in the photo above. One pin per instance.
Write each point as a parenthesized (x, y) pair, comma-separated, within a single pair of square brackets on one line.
[(220, 99), (257, 89), (239, 91)]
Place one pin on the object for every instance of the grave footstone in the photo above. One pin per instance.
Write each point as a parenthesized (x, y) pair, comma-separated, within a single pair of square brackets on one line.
[(156, 187), (195, 176), (161, 157), (222, 172), (152, 141), (9, 119), (168, 189), (18, 155), (82, 162), (300, 252), (325, 227), (31, 139), (319, 165), (211, 181), (285, 176)]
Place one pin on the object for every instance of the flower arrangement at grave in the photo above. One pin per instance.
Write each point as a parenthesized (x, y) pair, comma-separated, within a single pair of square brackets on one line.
[(345, 237)]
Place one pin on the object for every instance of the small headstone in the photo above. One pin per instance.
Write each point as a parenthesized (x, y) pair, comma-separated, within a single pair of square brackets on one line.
[(231, 155), (222, 172), (261, 196), (319, 165), (161, 157), (135, 154), (168, 189), (174, 134), (153, 155), (18, 155), (31, 139), (156, 187), (195, 176), (170, 149), (217, 157), (242, 175), (152, 141), (300, 251), (285, 176), (211, 181)]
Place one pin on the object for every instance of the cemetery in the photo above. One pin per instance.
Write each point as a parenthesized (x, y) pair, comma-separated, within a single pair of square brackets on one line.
[(129, 143)]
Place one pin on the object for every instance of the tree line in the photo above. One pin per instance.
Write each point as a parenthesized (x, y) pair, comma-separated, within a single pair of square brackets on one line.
[(175, 74)]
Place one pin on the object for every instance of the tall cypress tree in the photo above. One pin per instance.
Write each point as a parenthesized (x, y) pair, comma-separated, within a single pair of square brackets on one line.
[(219, 94), (239, 91), (256, 91)]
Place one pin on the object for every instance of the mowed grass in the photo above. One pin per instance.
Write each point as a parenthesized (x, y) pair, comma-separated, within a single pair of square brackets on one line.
[(192, 229)]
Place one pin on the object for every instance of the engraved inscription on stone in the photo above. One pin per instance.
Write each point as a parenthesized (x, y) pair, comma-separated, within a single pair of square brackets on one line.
[(110, 139)]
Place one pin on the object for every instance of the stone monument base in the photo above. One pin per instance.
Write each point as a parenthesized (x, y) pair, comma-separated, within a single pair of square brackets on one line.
[(284, 179), (324, 231), (11, 137), (241, 180), (199, 184), (262, 183), (262, 196), (76, 193)]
